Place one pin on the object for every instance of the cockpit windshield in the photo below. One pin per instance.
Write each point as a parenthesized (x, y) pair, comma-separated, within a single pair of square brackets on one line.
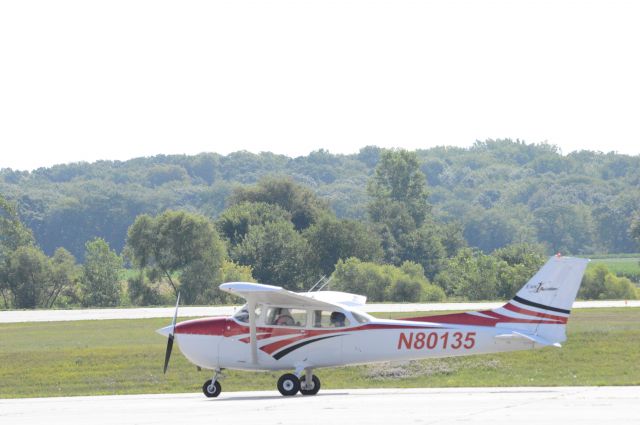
[(361, 317), (242, 315)]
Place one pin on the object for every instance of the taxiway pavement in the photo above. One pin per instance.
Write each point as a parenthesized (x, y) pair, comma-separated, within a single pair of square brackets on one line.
[(496, 406), (17, 316)]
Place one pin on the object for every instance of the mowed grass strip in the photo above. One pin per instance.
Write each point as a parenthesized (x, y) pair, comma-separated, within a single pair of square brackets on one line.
[(126, 357), (628, 266)]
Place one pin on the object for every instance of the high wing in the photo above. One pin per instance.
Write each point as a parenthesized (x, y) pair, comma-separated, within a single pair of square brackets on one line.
[(268, 294), (256, 293)]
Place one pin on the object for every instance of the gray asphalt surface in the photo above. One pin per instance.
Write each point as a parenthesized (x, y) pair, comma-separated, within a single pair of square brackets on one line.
[(521, 406)]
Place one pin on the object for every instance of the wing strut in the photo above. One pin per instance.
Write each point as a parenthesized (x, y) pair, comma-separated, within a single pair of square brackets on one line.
[(252, 329)]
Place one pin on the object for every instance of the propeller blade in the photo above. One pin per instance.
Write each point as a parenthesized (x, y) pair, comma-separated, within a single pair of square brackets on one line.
[(175, 315), (167, 355)]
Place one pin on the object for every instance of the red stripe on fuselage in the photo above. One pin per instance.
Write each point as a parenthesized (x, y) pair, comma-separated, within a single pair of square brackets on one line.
[(274, 346), (517, 309), (473, 320)]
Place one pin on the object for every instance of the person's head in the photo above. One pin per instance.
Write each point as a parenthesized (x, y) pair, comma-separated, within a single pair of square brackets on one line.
[(337, 318)]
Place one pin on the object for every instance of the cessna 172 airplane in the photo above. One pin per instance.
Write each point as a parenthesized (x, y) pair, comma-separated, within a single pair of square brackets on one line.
[(281, 330)]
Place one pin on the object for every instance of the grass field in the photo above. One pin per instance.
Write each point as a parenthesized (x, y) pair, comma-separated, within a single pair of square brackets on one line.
[(126, 356), (621, 265)]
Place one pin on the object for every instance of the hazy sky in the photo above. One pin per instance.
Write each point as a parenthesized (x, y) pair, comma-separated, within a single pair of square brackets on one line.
[(89, 79)]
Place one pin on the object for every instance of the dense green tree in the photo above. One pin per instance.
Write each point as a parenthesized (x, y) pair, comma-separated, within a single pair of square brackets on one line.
[(634, 228), (35, 280), (565, 228), (65, 278), (28, 278), (303, 205), (531, 256), (424, 246), (470, 275), (165, 173), (204, 166), (13, 234), (582, 202), (177, 243), (599, 283), (399, 207), (234, 223), (100, 275), (277, 255), (477, 276), (331, 239), (142, 292), (27, 274), (384, 282), (495, 228), (451, 237), (612, 221), (398, 187)]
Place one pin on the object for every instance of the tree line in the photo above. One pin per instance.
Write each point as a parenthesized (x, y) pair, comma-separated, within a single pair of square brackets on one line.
[(499, 192), (282, 232)]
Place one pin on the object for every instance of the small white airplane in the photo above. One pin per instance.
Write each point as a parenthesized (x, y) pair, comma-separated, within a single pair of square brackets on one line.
[(281, 330)]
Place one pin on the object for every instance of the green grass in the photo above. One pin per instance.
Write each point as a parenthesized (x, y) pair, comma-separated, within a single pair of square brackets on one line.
[(126, 356), (622, 266)]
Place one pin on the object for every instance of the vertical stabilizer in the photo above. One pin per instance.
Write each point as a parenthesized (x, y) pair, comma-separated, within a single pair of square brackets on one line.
[(544, 303)]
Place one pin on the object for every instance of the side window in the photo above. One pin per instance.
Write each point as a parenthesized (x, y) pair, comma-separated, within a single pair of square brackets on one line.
[(329, 319), (283, 316)]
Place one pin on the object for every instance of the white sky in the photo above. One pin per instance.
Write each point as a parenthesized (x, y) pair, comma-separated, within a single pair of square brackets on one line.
[(88, 80)]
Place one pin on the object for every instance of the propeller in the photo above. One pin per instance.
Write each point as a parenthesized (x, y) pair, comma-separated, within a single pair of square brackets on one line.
[(167, 354)]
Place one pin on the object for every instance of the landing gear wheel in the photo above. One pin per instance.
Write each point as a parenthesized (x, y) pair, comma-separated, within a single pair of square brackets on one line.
[(211, 390), (288, 384), (315, 385)]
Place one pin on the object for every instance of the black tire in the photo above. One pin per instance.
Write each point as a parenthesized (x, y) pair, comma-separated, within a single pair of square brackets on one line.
[(288, 384), (315, 382), (212, 392)]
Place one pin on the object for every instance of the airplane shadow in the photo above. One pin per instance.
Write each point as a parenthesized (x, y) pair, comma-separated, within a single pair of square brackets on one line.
[(275, 397), (373, 393)]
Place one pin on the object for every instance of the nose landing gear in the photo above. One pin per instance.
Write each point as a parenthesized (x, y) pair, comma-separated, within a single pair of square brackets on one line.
[(212, 387)]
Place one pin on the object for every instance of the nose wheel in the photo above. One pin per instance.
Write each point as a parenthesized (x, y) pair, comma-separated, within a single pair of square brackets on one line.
[(212, 387)]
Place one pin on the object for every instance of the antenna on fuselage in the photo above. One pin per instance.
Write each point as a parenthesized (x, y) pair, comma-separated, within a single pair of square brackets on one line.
[(322, 282), (322, 279)]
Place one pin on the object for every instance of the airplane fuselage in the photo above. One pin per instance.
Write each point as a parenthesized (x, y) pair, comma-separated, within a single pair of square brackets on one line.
[(221, 343)]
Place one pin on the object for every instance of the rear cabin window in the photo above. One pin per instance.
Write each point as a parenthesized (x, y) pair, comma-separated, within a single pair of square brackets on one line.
[(285, 316), (329, 319)]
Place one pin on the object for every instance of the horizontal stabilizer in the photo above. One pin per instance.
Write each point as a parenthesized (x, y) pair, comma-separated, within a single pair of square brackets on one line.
[(529, 337)]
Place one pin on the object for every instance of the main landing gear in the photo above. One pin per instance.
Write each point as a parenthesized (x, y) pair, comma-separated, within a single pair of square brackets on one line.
[(289, 384)]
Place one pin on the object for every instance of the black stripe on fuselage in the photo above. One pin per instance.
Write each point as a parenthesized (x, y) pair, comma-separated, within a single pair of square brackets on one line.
[(545, 307), (280, 354)]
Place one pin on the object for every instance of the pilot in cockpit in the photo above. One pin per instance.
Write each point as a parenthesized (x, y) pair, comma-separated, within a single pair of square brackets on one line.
[(337, 319), (284, 318)]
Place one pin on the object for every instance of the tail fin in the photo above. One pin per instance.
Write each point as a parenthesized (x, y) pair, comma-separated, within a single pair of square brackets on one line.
[(539, 311), (543, 305)]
